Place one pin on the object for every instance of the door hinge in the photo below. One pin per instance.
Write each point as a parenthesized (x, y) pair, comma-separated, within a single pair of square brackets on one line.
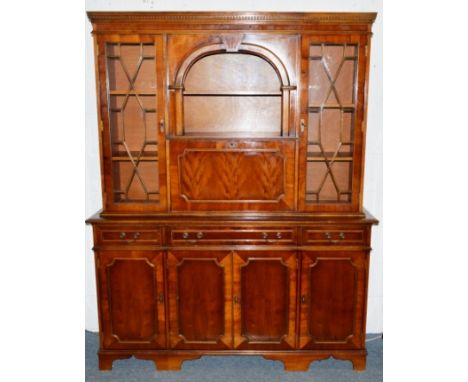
[(101, 126), (367, 50)]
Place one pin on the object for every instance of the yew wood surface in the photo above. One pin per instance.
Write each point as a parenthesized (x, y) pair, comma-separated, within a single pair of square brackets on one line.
[(231, 260)]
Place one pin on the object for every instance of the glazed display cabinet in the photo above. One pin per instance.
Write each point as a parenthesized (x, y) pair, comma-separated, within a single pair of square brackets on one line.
[(232, 150)]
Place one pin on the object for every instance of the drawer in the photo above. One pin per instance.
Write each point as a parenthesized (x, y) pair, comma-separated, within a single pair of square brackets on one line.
[(129, 236), (333, 236), (233, 236)]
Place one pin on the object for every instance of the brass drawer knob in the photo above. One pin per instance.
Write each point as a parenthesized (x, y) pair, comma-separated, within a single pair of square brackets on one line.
[(279, 235), (185, 235), (123, 236), (328, 235), (341, 235), (199, 235), (264, 235)]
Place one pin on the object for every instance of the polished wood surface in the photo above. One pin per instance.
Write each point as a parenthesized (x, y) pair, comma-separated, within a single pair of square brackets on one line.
[(232, 151), (232, 174), (132, 308)]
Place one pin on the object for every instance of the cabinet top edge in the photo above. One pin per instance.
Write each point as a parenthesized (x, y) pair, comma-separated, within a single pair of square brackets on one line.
[(235, 17), (228, 218)]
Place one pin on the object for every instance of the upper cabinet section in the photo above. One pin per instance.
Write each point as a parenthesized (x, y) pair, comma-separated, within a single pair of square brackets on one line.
[(232, 111)]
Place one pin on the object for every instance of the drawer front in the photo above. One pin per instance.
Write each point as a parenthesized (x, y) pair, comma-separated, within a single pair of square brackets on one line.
[(246, 236), (129, 236), (333, 236)]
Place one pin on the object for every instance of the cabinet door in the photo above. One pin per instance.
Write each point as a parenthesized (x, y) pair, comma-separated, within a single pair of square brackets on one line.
[(200, 302), (131, 296), (333, 299), (264, 297), (132, 111), (332, 122)]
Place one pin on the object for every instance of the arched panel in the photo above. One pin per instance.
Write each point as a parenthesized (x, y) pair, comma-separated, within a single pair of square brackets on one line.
[(245, 48), (225, 73)]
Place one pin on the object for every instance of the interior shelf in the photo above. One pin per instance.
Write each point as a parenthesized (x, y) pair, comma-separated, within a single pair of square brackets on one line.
[(328, 156), (132, 92), (316, 108), (237, 94), (150, 156)]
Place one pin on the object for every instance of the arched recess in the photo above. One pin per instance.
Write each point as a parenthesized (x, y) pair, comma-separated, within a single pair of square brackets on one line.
[(233, 44)]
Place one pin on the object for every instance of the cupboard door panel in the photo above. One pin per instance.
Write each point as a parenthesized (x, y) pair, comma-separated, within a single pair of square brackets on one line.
[(200, 300), (132, 299), (332, 299), (264, 300)]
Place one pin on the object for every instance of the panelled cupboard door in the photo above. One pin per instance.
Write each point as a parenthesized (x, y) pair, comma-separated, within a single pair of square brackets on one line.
[(200, 302), (132, 87), (131, 299), (264, 299), (332, 122), (333, 298)]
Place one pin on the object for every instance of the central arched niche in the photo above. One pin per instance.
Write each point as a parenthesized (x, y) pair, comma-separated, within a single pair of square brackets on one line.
[(232, 94)]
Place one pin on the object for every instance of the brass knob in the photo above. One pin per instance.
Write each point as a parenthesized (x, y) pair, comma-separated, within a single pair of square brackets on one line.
[(303, 299), (342, 235), (161, 298), (161, 125), (123, 235), (136, 235), (236, 300), (278, 235), (185, 235), (328, 235), (199, 235), (264, 235)]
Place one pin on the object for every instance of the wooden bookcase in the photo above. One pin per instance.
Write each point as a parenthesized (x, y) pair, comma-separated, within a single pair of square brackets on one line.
[(232, 150)]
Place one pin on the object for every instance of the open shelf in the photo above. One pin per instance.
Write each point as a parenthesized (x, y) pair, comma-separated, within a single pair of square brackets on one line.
[(234, 94)]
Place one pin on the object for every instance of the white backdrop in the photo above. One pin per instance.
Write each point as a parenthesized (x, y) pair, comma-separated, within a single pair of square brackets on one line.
[(373, 174)]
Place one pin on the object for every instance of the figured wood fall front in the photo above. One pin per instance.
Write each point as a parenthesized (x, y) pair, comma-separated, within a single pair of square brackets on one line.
[(232, 150)]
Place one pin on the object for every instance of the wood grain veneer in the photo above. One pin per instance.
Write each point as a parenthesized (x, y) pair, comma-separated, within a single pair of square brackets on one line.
[(232, 151)]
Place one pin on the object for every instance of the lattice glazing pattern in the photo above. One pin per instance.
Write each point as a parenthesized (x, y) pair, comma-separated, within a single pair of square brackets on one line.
[(133, 124), (332, 94)]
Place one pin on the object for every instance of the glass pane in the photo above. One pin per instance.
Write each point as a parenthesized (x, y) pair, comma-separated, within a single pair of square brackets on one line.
[(135, 183), (332, 87), (133, 122)]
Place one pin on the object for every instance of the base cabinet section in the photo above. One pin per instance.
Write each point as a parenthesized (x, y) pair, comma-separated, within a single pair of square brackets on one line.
[(131, 296), (176, 304), (333, 293)]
